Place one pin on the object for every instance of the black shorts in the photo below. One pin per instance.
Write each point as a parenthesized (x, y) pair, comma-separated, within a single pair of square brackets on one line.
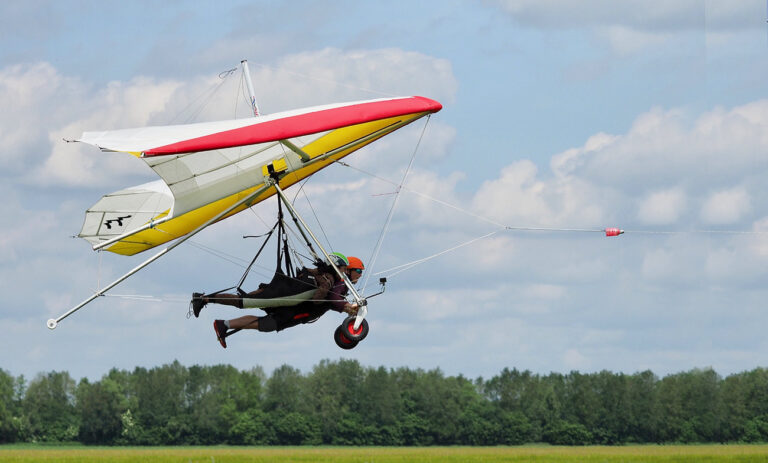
[(279, 319)]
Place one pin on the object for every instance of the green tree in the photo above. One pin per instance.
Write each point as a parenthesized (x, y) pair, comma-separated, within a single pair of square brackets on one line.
[(333, 394), (521, 393), (551, 395), (383, 403), (565, 433), (611, 425), (100, 406), (49, 403), (515, 429), (644, 409), (214, 397), (691, 406), (439, 402), (581, 400), (160, 405), (10, 410), (756, 391), (251, 428), (705, 404), (733, 392), (295, 428), (285, 391), (745, 406)]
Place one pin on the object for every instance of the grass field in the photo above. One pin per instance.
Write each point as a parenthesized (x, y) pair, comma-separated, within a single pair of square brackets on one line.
[(644, 453)]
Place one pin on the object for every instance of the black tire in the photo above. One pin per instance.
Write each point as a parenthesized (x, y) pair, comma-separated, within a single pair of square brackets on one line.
[(342, 341), (349, 332)]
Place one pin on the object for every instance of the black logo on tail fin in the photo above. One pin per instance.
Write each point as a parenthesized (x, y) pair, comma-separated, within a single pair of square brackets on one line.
[(119, 221)]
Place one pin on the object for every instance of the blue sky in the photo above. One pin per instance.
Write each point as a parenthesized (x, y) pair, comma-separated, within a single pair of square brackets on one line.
[(650, 116)]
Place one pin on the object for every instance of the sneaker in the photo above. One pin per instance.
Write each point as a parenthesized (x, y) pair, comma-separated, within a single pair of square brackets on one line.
[(197, 303), (221, 332)]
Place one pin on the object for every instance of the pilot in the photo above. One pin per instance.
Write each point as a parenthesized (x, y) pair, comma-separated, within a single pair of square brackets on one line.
[(330, 295)]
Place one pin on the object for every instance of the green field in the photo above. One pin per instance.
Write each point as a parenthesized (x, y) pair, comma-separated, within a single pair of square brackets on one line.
[(644, 453)]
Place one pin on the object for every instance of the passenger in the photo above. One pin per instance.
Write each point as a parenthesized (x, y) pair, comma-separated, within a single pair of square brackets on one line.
[(328, 294)]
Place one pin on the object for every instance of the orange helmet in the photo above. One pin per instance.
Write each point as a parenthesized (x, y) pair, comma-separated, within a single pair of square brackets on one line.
[(355, 263)]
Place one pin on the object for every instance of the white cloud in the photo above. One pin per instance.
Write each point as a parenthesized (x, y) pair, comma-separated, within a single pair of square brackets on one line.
[(569, 160), (516, 196), (664, 150), (573, 359), (145, 101), (627, 41), (544, 292), (43, 161), (537, 291), (640, 15), (634, 26), (520, 197), (28, 93), (760, 244), (662, 207), (328, 75), (658, 173), (37, 149), (494, 252), (726, 207)]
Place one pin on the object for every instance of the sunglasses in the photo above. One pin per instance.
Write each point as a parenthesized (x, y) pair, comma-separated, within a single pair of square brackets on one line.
[(358, 270)]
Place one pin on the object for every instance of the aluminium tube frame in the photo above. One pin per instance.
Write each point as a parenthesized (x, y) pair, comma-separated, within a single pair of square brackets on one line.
[(249, 85), (362, 309), (146, 226), (53, 323)]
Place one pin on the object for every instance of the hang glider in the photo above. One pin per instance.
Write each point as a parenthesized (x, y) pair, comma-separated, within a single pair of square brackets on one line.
[(210, 171), (208, 167)]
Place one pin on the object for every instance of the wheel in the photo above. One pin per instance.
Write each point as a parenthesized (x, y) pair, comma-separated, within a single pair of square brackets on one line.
[(348, 329), (342, 341)]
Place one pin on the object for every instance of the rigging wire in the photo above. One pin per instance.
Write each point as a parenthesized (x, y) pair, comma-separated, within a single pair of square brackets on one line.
[(317, 219), (294, 237), (401, 186), (135, 297), (263, 222), (519, 228), (503, 227), (98, 274), (210, 91), (266, 273), (410, 265), (238, 91), (377, 248), (242, 263), (241, 91), (423, 195), (314, 213)]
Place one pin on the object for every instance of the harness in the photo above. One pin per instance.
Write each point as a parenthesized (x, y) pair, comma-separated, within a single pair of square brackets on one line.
[(288, 279)]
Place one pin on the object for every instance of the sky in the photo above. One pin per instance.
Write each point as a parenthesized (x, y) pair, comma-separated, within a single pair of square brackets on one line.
[(650, 116)]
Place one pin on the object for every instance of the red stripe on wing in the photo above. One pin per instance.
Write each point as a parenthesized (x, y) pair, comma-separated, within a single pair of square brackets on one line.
[(302, 124)]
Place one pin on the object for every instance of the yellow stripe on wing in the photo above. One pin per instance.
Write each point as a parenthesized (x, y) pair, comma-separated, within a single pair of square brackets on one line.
[(188, 222)]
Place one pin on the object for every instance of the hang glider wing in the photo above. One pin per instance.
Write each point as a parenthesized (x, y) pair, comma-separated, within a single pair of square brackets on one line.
[(206, 168)]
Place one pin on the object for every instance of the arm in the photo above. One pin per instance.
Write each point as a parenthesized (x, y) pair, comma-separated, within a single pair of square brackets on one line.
[(324, 284), (338, 302)]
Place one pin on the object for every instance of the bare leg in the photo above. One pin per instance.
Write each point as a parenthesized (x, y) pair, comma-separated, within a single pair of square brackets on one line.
[(246, 322), (229, 299), (225, 299)]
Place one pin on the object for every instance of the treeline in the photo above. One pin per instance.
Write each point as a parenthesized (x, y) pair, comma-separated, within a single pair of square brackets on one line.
[(344, 403)]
